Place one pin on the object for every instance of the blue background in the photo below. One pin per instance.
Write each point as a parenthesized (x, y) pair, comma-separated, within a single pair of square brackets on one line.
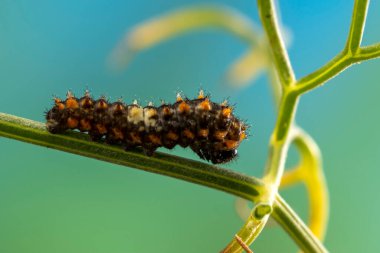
[(52, 201)]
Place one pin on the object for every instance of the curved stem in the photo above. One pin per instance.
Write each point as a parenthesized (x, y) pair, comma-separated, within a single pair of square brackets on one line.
[(314, 180), (311, 173)]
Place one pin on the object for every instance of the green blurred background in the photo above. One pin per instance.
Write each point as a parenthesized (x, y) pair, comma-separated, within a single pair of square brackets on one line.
[(51, 201)]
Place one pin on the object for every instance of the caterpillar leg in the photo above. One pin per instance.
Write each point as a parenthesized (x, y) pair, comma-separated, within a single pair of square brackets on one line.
[(200, 151), (149, 151)]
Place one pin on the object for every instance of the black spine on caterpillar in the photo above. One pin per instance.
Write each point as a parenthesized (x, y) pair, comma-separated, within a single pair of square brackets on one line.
[(210, 129)]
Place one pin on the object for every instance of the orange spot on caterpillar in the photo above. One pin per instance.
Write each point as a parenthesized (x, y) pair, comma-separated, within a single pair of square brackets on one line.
[(72, 103), (155, 139), (188, 134), (172, 136), (101, 128), (205, 105), (60, 106), (220, 135), (57, 100), (231, 144), (226, 112), (72, 123), (183, 107), (166, 111), (101, 104), (242, 136), (118, 134), (85, 125), (203, 133), (86, 102), (136, 139), (118, 107)]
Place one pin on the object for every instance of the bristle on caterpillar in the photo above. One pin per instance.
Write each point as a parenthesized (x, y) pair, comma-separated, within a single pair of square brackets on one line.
[(209, 129)]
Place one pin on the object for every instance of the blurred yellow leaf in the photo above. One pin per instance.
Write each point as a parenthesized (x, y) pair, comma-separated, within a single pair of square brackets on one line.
[(172, 24), (247, 68), (310, 172)]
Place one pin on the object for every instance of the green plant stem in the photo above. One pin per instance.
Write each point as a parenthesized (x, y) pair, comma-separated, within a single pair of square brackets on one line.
[(325, 73), (368, 52), (77, 143), (278, 146), (309, 153), (293, 225), (249, 231), (355, 35), (207, 175), (336, 66), (280, 139), (281, 59), (285, 118), (352, 53)]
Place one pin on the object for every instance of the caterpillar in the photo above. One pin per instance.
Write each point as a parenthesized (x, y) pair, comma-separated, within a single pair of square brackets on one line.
[(209, 129)]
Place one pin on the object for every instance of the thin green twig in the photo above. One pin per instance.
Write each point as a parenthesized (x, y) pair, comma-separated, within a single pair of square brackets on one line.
[(268, 18), (352, 53), (325, 73), (368, 52), (338, 64), (279, 142), (357, 26)]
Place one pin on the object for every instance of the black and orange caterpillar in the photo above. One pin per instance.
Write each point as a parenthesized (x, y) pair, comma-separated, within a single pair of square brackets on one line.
[(210, 129)]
